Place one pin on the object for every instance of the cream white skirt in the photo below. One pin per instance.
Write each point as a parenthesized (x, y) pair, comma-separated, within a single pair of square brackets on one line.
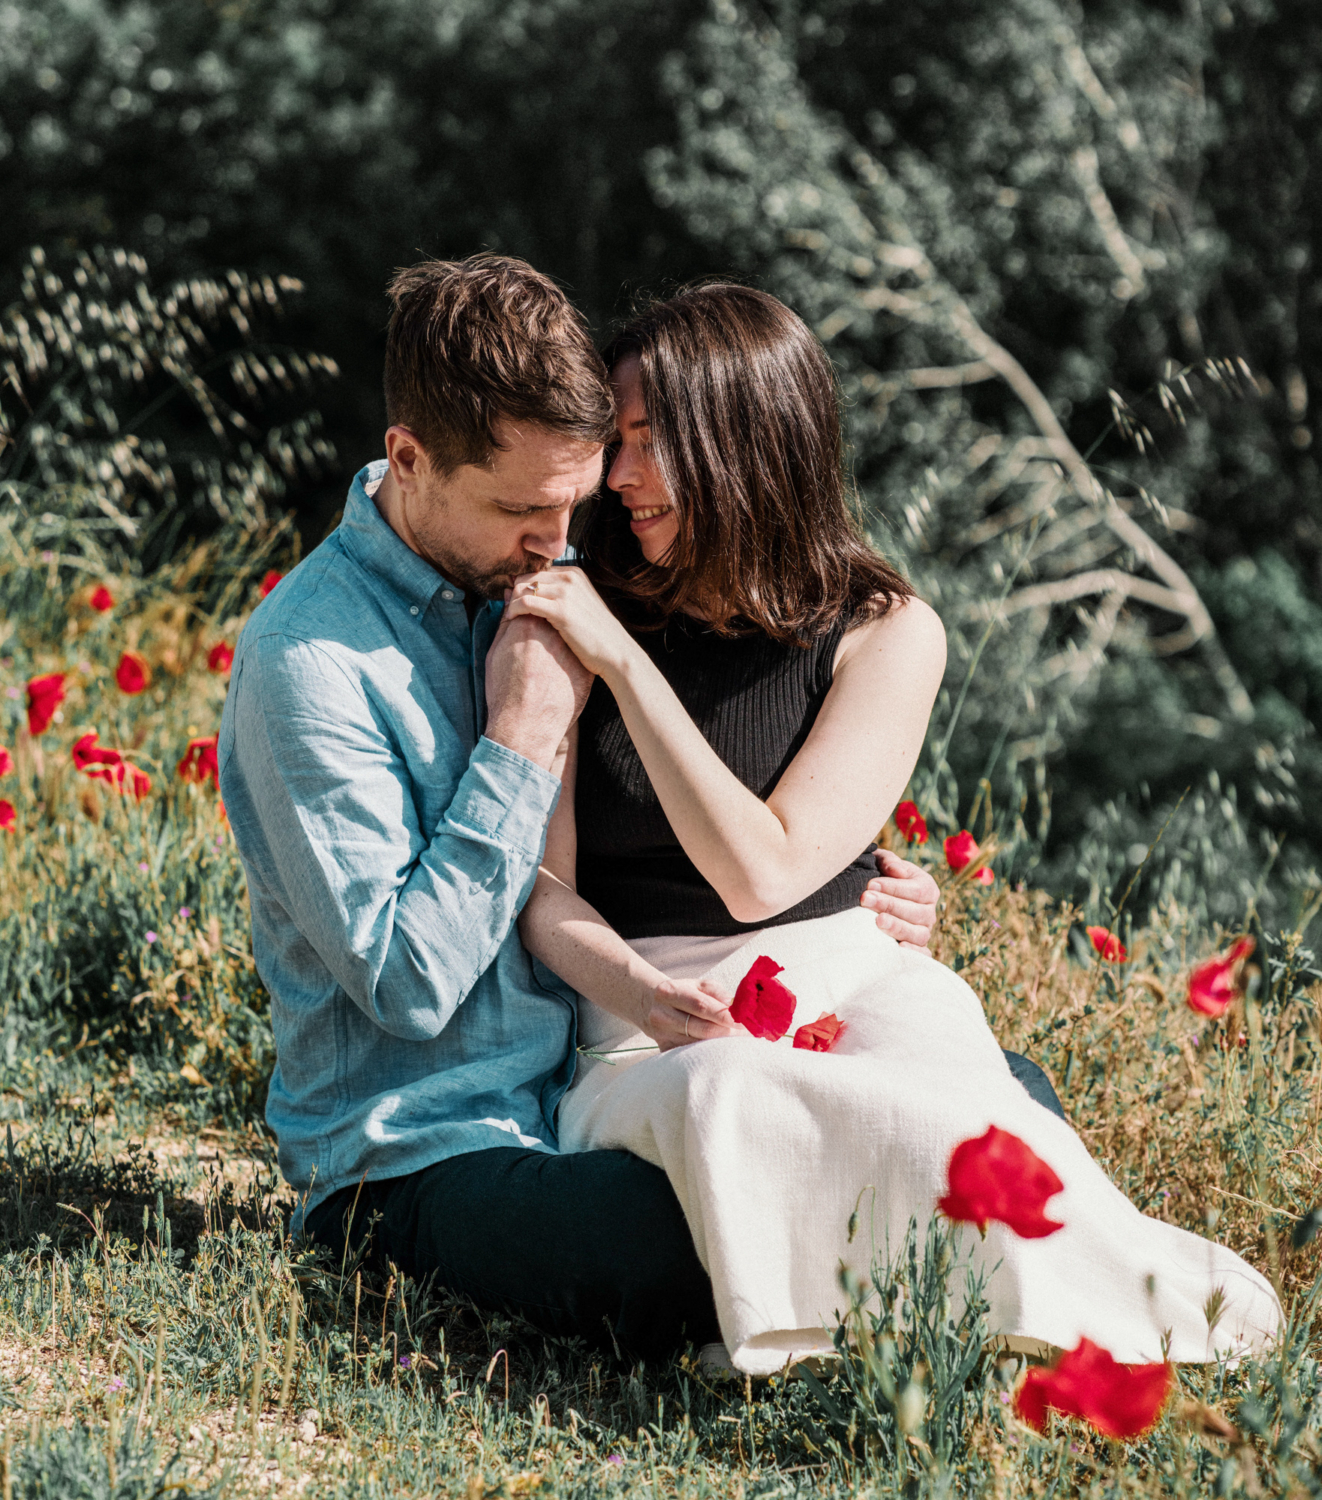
[(770, 1148)]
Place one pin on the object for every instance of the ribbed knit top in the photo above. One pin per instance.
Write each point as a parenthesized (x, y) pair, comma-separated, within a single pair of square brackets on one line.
[(755, 701)]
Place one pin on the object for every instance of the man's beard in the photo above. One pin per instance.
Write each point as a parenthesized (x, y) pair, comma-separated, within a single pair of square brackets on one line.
[(492, 581)]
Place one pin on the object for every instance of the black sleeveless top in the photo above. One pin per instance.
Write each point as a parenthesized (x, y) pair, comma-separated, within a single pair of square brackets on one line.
[(755, 700)]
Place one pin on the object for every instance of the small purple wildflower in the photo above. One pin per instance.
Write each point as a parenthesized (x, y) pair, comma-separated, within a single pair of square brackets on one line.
[(48, 557), (85, 667), (185, 912), (116, 1384), (151, 937), (996, 924), (405, 1361), (1074, 1448), (616, 1460), (12, 692), (143, 866), (1005, 1398)]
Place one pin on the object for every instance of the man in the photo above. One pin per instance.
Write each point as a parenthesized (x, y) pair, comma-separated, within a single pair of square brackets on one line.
[(387, 759)]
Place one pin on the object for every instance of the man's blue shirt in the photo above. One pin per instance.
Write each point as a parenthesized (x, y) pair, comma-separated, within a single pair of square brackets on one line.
[(389, 848)]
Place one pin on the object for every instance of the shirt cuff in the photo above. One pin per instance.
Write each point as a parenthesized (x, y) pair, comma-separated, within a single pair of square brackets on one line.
[(505, 797)]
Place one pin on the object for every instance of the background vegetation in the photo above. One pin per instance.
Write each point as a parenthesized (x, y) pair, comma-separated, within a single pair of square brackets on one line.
[(1064, 258), (1112, 192)]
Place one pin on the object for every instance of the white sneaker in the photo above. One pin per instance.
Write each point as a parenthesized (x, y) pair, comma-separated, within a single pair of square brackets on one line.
[(714, 1359)]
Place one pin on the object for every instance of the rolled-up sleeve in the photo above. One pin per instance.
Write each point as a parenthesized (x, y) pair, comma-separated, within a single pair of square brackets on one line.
[(405, 918)]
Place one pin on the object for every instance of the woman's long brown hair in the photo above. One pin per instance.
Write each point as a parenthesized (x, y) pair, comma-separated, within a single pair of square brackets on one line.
[(745, 429)]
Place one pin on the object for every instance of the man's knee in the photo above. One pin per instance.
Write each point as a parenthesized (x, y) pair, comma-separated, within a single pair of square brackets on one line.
[(664, 1293), (641, 1228)]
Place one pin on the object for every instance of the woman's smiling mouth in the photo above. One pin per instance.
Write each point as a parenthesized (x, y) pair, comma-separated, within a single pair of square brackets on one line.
[(646, 514)]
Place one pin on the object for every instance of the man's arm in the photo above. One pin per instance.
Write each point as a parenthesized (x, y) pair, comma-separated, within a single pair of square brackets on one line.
[(406, 918), (904, 897)]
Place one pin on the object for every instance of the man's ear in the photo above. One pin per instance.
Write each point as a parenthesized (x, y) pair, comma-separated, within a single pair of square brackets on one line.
[(406, 456)]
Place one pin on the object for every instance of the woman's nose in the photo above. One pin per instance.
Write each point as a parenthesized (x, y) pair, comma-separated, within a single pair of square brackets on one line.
[(623, 472)]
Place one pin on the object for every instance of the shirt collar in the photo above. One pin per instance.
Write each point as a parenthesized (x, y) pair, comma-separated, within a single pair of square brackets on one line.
[(373, 545)]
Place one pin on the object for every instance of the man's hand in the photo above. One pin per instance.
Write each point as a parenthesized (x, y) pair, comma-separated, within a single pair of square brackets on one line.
[(536, 688), (684, 1012), (904, 896)]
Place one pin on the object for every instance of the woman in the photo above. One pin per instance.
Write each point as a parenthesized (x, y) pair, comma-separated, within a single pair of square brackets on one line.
[(764, 690)]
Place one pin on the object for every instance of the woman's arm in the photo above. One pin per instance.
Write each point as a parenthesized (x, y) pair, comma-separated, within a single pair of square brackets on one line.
[(763, 857), (571, 938)]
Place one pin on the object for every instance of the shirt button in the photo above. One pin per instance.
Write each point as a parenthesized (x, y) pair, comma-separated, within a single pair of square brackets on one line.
[(447, 593), (413, 609)]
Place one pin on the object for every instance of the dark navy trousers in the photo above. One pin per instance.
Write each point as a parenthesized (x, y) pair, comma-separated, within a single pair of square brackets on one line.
[(591, 1244)]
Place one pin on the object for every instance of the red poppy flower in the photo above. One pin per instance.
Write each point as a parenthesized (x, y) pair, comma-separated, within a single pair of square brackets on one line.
[(961, 851), (761, 1003), (269, 582), (221, 657), (1108, 945), (1213, 985), (133, 779), (998, 1176), (911, 822), (1122, 1401), (45, 694), (102, 600), (198, 763), (8, 815), (93, 758), (820, 1035), (133, 674), (6, 761)]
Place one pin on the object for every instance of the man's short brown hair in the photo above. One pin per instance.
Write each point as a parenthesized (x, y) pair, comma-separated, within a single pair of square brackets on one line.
[(473, 341)]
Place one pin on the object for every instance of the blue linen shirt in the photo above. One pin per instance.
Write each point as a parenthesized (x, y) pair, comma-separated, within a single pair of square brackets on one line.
[(389, 848)]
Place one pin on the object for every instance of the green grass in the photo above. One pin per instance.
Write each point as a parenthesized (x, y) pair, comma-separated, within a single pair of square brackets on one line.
[(161, 1335)]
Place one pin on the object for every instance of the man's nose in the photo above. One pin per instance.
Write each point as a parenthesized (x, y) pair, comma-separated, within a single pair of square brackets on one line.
[(549, 535)]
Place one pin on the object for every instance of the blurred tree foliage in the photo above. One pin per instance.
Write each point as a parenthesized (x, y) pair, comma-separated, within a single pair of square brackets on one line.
[(1030, 231)]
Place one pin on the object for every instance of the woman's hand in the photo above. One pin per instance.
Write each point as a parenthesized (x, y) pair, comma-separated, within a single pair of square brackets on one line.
[(683, 1011), (566, 599)]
